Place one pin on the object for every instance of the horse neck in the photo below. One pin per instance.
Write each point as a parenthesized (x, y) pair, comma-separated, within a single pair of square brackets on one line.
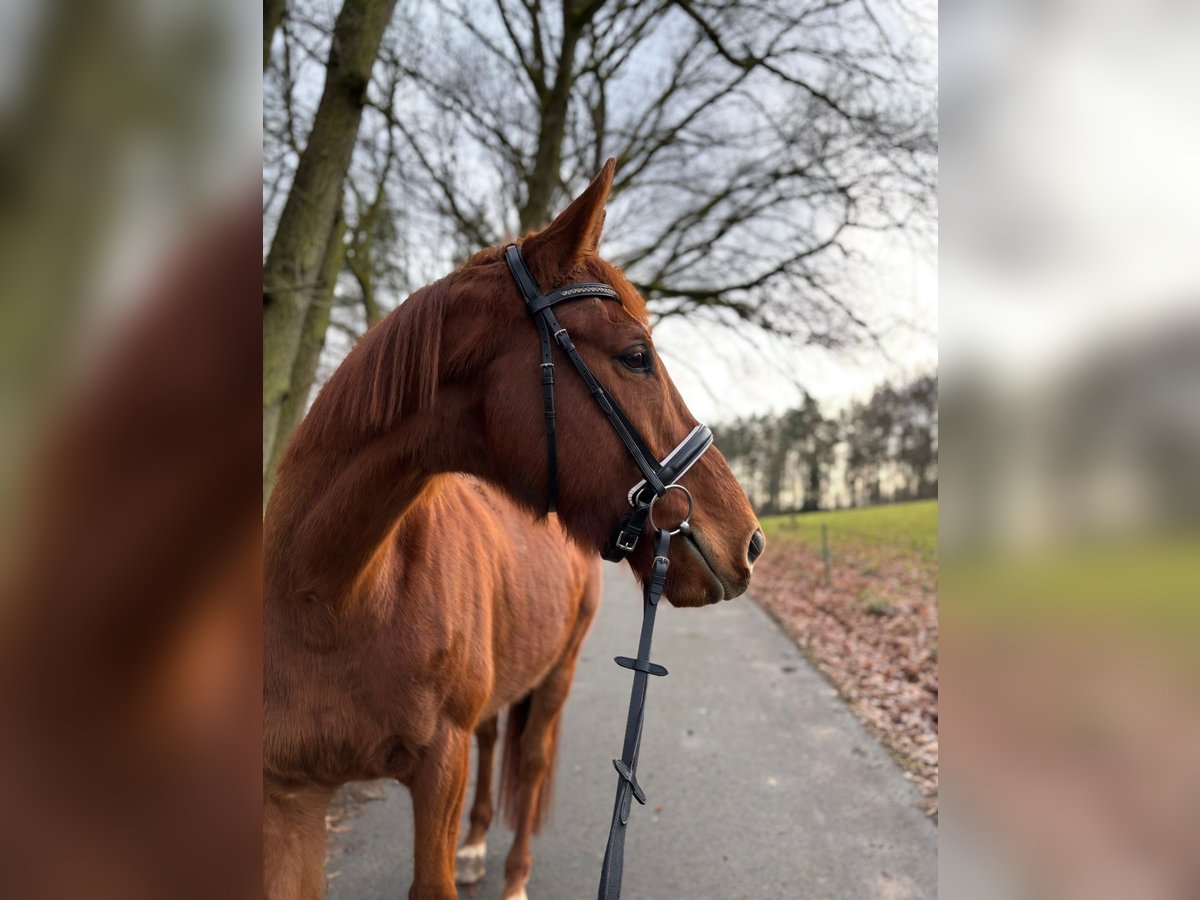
[(334, 506)]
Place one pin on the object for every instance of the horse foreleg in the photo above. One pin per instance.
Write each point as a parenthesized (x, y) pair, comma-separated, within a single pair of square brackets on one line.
[(471, 862), (438, 787), (294, 841)]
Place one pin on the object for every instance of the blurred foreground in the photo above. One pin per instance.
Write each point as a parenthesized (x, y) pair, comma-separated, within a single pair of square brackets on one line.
[(130, 344), (1070, 526)]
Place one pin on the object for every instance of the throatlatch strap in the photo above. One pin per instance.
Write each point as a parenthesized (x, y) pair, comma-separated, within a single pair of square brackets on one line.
[(629, 529), (628, 788)]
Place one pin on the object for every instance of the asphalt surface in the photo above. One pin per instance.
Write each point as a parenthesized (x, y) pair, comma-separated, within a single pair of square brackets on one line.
[(760, 782)]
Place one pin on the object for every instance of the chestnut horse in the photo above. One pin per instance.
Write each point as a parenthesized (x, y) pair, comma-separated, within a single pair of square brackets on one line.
[(405, 606)]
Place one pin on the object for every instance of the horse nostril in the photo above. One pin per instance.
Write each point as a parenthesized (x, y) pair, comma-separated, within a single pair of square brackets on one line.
[(757, 543)]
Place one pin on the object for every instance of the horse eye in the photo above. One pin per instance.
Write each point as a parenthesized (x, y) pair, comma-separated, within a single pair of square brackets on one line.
[(637, 360)]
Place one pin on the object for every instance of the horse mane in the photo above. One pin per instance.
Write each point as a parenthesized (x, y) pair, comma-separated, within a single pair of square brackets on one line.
[(391, 372)]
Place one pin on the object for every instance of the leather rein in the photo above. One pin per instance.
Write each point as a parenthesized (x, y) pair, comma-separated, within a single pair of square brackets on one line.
[(658, 479)]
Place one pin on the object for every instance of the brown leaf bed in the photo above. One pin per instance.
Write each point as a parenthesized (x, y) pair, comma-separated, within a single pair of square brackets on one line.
[(872, 631)]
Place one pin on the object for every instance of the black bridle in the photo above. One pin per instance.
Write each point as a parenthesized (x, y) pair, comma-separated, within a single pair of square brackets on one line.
[(658, 478)]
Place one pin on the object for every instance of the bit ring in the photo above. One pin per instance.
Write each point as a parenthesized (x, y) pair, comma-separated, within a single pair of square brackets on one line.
[(685, 526)]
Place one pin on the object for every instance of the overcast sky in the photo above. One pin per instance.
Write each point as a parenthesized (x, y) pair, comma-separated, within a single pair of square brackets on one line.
[(723, 375)]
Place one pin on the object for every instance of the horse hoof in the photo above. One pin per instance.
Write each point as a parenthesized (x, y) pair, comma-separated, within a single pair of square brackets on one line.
[(519, 895), (470, 863)]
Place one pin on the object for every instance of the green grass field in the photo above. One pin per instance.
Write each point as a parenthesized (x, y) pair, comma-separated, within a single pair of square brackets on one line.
[(1145, 581), (1148, 579), (899, 527)]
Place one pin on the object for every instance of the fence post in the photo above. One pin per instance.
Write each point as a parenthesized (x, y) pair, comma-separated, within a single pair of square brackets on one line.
[(825, 553)]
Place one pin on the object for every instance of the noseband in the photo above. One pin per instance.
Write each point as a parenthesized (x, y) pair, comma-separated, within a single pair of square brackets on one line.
[(658, 479)]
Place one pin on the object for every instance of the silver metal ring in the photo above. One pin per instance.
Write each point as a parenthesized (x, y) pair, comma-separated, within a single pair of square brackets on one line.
[(685, 525)]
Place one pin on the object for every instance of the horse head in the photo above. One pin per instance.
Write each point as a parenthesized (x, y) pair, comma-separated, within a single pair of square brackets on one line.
[(595, 471)]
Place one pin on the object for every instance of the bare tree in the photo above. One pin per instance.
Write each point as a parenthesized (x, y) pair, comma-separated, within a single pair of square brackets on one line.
[(273, 13), (376, 254), (889, 444), (755, 140), (918, 435), (312, 343), (299, 249)]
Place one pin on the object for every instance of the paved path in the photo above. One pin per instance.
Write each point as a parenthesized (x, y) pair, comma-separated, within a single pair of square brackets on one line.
[(761, 784)]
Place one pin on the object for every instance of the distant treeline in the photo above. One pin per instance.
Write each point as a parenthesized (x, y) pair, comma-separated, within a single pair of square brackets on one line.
[(883, 450)]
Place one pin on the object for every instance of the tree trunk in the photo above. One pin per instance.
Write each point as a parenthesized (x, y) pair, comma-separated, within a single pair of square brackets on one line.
[(371, 306), (362, 245), (308, 355), (59, 201), (293, 267), (547, 164), (273, 11), (813, 501)]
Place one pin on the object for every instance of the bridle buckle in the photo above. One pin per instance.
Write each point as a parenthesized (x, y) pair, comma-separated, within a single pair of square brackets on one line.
[(626, 544)]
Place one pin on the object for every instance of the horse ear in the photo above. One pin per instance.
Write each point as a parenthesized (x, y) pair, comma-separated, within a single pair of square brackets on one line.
[(576, 231)]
